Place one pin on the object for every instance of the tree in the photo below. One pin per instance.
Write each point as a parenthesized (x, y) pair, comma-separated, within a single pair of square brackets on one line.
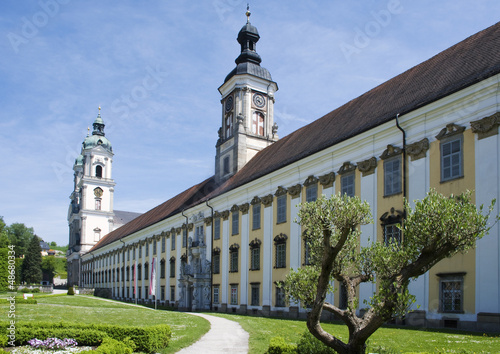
[(438, 227), (31, 269), (4, 239), (49, 264), (19, 235)]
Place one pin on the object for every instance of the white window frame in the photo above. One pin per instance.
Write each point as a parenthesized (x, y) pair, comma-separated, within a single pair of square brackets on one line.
[(256, 215), (454, 158), (234, 294), (348, 182), (457, 293), (281, 211), (311, 193), (235, 223), (392, 176)]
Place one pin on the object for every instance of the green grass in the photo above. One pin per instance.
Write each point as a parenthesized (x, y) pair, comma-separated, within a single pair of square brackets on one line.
[(186, 329), (384, 340)]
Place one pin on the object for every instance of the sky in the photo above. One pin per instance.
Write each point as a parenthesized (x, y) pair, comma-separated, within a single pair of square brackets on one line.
[(154, 68)]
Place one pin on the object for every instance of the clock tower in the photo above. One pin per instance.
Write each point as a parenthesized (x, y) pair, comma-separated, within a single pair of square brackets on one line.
[(90, 214), (247, 108)]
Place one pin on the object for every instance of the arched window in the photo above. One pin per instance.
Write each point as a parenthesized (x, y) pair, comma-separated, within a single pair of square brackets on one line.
[(258, 123), (98, 171), (229, 126)]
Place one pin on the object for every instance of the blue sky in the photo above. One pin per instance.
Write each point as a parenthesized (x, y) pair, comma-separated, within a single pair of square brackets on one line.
[(154, 67)]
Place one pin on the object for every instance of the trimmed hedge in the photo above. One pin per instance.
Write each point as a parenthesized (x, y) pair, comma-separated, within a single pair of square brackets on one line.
[(20, 300), (146, 339), (278, 345)]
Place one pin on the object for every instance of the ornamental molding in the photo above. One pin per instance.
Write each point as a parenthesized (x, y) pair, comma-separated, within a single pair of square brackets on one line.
[(256, 200), (486, 127), (208, 220), (235, 209), (184, 257), (190, 226), (234, 247), (255, 243), (184, 226), (281, 238), (327, 180), (167, 234), (295, 190), (367, 167), (392, 217), (310, 181), (267, 200), (450, 130), (225, 214), (418, 150), (216, 214), (216, 250), (391, 151), (280, 191), (346, 168), (244, 208), (178, 230)]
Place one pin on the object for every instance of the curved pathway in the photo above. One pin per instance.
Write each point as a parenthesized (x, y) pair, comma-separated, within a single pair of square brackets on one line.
[(224, 336)]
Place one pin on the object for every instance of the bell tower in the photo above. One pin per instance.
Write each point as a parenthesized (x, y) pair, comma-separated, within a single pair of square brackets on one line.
[(90, 214), (247, 120)]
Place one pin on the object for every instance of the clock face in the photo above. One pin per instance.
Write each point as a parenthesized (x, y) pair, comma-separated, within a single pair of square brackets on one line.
[(259, 100), (98, 192), (229, 103)]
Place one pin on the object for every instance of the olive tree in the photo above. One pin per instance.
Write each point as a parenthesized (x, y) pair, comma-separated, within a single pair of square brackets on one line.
[(436, 228)]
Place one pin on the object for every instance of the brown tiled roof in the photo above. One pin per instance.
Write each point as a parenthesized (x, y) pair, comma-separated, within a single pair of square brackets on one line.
[(466, 63), (171, 207)]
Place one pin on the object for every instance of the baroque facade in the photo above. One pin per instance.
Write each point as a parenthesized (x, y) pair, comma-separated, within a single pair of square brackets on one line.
[(226, 243)]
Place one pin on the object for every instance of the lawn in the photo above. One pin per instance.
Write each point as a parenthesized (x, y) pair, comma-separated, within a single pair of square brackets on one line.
[(385, 340), (186, 329)]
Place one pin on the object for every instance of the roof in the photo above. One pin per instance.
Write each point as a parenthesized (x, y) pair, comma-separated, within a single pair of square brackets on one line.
[(464, 64), (122, 217)]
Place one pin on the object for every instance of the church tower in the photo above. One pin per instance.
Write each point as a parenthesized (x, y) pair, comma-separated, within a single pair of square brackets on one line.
[(90, 214), (247, 108)]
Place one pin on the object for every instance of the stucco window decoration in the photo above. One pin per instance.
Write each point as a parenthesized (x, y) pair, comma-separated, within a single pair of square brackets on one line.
[(295, 190), (267, 200), (367, 167), (486, 127), (327, 180), (418, 149)]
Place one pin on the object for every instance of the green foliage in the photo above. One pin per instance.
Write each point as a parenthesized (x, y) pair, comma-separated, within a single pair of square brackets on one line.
[(49, 266), (278, 345), (20, 300), (31, 271), (4, 269), (20, 236), (112, 346), (311, 345), (71, 291), (145, 339), (28, 291), (437, 227)]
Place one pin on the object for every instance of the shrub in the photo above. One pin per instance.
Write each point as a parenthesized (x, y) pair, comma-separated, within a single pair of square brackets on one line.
[(71, 291), (20, 300), (278, 345), (309, 344), (112, 346)]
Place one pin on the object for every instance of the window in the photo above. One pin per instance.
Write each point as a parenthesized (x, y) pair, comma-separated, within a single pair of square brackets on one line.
[(172, 241), (342, 297), (172, 267), (234, 294), (451, 159), (162, 269), (216, 295), (128, 255), (281, 209), (98, 171), (217, 229), (146, 271), (280, 296), (184, 237), (233, 256), (154, 246), (133, 254), (254, 300), (146, 248), (146, 292), (198, 235), (172, 293), (225, 165), (128, 273), (347, 185), (97, 234), (98, 204), (162, 298), (392, 234), (258, 123), (163, 243), (216, 264), (139, 272), (451, 293), (256, 216), (140, 251), (235, 222), (229, 125), (255, 258), (392, 176), (311, 193), (280, 245)]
